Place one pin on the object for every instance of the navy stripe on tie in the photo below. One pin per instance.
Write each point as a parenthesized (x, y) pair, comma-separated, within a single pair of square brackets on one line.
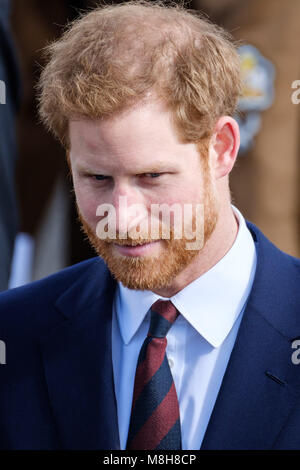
[(170, 441), (143, 351), (157, 387), (159, 326)]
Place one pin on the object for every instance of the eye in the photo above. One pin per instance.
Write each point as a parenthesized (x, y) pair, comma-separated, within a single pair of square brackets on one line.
[(152, 175), (100, 177)]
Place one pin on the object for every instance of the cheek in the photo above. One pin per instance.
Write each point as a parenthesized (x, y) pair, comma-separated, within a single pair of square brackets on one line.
[(185, 195), (87, 203), (194, 192)]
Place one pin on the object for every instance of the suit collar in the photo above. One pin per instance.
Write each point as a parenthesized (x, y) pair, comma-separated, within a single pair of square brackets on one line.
[(275, 292), (92, 287)]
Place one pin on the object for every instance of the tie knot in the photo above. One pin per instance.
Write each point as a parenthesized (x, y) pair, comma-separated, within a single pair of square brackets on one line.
[(163, 315)]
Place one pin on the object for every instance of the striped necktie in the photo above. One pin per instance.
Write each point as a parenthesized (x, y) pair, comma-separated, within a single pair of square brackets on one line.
[(155, 421)]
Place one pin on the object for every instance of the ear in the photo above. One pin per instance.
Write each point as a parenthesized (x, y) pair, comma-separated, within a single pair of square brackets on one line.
[(224, 146)]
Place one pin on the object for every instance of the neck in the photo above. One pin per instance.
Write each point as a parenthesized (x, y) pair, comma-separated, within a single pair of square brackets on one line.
[(214, 250)]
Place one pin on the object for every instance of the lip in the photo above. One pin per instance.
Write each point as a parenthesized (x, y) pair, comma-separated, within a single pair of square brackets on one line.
[(138, 250)]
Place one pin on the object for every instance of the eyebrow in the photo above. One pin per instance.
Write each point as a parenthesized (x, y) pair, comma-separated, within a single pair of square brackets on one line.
[(155, 168)]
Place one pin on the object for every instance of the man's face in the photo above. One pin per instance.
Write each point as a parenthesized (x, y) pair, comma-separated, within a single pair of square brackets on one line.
[(136, 158)]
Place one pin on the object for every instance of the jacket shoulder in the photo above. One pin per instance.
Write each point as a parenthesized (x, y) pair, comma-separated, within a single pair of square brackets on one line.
[(275, 292), (33, 303), (280, 255)]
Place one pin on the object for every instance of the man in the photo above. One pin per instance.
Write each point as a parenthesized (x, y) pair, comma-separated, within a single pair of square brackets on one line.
[(166, 340)]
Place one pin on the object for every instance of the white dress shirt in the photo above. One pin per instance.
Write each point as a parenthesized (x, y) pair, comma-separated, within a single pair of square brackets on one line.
[(199, 342)]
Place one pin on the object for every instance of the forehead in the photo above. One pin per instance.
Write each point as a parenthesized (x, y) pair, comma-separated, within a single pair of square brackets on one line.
[(144, 121), (143, 134)]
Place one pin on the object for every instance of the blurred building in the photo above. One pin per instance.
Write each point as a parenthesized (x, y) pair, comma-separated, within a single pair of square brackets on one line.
[(265, 181), (9, 104)]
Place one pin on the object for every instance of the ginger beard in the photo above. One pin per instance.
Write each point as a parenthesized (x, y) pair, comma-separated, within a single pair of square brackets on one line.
[(154, 272)]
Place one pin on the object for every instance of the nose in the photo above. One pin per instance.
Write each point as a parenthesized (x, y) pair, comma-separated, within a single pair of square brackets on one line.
[(130, 208)]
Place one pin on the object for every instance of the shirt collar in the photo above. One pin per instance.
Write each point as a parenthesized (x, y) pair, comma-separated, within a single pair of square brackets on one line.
[(211, 303)]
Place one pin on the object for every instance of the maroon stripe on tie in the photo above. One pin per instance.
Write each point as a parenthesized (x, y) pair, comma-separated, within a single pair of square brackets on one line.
[(159, 423), (156, 348), (166, 310)]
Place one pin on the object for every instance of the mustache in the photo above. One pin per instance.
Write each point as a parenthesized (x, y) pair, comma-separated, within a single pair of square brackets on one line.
[(128, 241), (122, 238)]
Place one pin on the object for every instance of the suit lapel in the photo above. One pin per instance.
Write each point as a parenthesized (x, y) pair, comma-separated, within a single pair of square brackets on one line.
[(261, 384), (78, 364)]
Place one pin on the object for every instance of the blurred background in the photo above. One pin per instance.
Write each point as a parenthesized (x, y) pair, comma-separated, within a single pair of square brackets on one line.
[(39, 232)]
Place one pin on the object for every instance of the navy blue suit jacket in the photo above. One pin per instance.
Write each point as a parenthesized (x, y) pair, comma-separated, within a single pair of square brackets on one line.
[(57, 389)]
